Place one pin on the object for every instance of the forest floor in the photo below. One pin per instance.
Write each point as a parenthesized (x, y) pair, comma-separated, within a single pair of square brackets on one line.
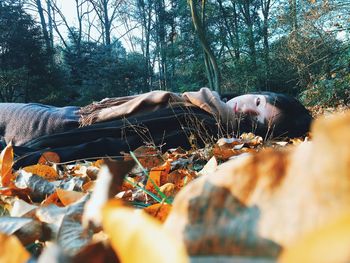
[(58, 210)]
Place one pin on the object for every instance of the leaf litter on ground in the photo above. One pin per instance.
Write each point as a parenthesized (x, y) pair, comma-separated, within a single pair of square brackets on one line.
[(68, 205)]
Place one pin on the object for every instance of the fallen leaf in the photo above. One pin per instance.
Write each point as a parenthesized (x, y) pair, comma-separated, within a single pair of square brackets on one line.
[(39, 187), (168, 189), (228, 141), (108, 184), (68, 197), (27, 230), (13, 191), (328, 243), (48, 158), (148, 156), (6, 162), (71, 235), (89, 186), (43, 170), (99, 163), (209, 167), (180, 178), (99, 252), (137, 236), (159, 177), (11, 250), (10, 225), (20, 208), (159, 211)]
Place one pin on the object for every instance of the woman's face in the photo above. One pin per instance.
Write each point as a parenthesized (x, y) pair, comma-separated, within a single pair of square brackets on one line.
[(256, 106)]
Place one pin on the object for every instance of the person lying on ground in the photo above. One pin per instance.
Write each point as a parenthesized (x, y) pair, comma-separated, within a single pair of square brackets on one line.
[(165, 118)]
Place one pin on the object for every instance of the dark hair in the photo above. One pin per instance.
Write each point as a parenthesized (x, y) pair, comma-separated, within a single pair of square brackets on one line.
[(293, 121)]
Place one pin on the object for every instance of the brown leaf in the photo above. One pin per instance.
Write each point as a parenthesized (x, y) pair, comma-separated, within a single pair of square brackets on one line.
[(27, 230), (158, 211), (48, 158), (96, 252), (89, 186), (148, 156), (11, 250), (108, 184), (6, 162), (13, 191), (224, 152), (180, 178)]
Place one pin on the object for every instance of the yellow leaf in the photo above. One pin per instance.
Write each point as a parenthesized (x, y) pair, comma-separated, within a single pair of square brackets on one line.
[(6, 162), (329, 243), (11, 250), (68, 197), (42, 170), (137, 237), (168, 189)]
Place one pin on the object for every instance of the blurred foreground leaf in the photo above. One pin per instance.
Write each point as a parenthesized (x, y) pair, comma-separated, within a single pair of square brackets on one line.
[(135, 236)]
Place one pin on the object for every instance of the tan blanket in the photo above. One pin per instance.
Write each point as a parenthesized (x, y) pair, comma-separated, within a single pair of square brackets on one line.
[(115, 108)]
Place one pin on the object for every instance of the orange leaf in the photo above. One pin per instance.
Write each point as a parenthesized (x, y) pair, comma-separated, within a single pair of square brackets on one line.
[(137, 236), (159, 211), (154, 176), (49, 158), (99, 163), (68, 197), (158, 175), (11, 250), (52, 199), (6, 162), (19, 192), (42, 170), (89, 186)]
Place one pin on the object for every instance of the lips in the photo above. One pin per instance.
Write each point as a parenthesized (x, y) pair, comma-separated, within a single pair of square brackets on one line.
[(235, 108)]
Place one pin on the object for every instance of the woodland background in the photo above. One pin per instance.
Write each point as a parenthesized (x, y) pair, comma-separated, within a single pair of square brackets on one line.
[(122, 47)]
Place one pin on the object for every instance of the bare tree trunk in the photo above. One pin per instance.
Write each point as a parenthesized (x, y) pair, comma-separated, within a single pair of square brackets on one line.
[(43, 25), (293, 15), (49, 15), (235, 22), (210, 60), (106, 11), (228, 28), (245, 9), (145, 13), (161, 42), (266, 5)]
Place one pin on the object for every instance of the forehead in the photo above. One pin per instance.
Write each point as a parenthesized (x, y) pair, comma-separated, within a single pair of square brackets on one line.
[(248, 97)]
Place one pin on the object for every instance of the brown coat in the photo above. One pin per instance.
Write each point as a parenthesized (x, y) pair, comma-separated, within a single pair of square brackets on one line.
[(113, 108)]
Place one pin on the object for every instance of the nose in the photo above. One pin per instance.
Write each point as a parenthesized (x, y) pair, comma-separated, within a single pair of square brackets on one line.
[(246, 109)]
